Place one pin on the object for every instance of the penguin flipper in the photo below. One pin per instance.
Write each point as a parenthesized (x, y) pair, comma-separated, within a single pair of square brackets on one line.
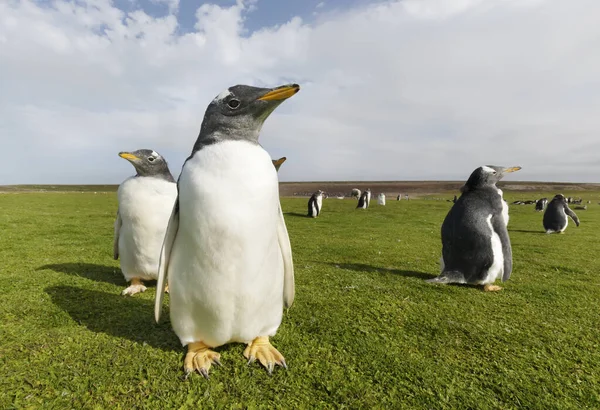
[(449, 277), (165, 255), (499, 227), (288, 265), (118, 223), (572, 214)]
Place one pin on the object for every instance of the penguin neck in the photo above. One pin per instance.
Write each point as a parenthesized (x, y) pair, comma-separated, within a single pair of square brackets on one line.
[(209, 137)]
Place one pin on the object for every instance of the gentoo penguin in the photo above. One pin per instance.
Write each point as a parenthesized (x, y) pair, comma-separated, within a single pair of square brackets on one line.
[(277, 162), (227, 254), (145, 204), (454, 199), (355, 193), (541, 204), (399, 197), (365, 198), (555, 217), (315, 204), (381, 199), (475, 244)]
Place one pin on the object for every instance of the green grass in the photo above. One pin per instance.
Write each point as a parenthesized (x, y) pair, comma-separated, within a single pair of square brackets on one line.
[(365, 331)]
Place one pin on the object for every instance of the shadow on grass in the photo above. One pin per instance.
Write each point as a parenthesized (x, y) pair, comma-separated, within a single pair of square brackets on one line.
[(526, 231), (99, 273), (368, 268), (124, 317), (295, 214)]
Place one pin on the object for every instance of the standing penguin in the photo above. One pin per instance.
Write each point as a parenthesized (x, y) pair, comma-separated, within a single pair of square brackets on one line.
[(227, 254), (355, 193), (365, 198), (540, 204), (381, 199), (315, 204), (145, 204), (399, 197), (555, 217), (475, 243), (278, 162)]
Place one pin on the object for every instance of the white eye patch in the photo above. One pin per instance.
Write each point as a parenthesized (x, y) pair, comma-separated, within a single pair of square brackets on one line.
[(222, 96), (488, 169), (155, 154)]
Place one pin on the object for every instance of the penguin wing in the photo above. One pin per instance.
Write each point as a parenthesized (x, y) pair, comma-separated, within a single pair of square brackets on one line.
[(288, 265), (572, 214), (118, 223), (500, 228), (165, 254)]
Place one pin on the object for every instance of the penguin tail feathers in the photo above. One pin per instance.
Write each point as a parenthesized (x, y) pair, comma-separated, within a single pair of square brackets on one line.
[(449, 277)]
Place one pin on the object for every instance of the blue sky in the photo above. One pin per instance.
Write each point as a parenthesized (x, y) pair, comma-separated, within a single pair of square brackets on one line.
[(390, 89)]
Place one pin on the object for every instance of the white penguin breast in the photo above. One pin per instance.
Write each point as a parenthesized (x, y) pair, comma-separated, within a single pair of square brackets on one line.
[(320, 202), (497, 269), (145, 205), (226, 268), (504, 207)]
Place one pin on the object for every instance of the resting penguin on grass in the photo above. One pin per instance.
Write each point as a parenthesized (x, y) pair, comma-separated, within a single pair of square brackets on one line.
[(475, 244), (278, 162), (145, 205), (227, 254), (365, 198), (315, 204), (555, 217)]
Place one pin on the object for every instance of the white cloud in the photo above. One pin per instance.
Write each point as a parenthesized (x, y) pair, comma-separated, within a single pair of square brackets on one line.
[(413, 89)]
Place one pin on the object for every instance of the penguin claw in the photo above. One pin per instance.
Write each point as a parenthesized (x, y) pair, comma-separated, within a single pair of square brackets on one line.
[(133, 289), (261, 349), (199, 357)]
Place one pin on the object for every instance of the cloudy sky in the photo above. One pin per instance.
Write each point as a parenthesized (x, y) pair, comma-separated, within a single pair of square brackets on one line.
[(390, 90)]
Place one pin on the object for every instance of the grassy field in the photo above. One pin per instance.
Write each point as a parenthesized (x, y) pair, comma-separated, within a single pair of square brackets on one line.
[(365, 331)]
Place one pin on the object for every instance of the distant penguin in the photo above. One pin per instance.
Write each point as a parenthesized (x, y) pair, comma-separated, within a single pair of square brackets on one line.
[(278, 162), (355, 193), (399, 197), (365, 198), (555, 217), (381, 199), (315, 204), (540, 205), (455, 199), (406, 197), (475, 244), (145, 204)]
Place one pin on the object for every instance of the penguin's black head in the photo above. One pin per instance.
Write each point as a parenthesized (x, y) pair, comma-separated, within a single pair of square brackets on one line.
[(148, 163), (239, 112), (487, 175), (560, 198)]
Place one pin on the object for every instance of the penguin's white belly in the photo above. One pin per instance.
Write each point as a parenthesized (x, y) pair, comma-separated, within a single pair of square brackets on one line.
[(226, 269), (504, 207), (320, 203), (145, 205), (566, 219), (496, 270)]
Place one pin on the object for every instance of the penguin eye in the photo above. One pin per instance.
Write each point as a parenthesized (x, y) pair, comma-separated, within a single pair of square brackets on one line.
[(233, 103), (151, 159)]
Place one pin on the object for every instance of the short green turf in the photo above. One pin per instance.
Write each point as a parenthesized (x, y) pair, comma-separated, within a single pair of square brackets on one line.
[(365, 331)]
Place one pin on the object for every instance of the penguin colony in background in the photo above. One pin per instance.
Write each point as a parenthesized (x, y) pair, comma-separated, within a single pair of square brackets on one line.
[(315, 203), (145, 204), (555, 217), (218, 241)]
